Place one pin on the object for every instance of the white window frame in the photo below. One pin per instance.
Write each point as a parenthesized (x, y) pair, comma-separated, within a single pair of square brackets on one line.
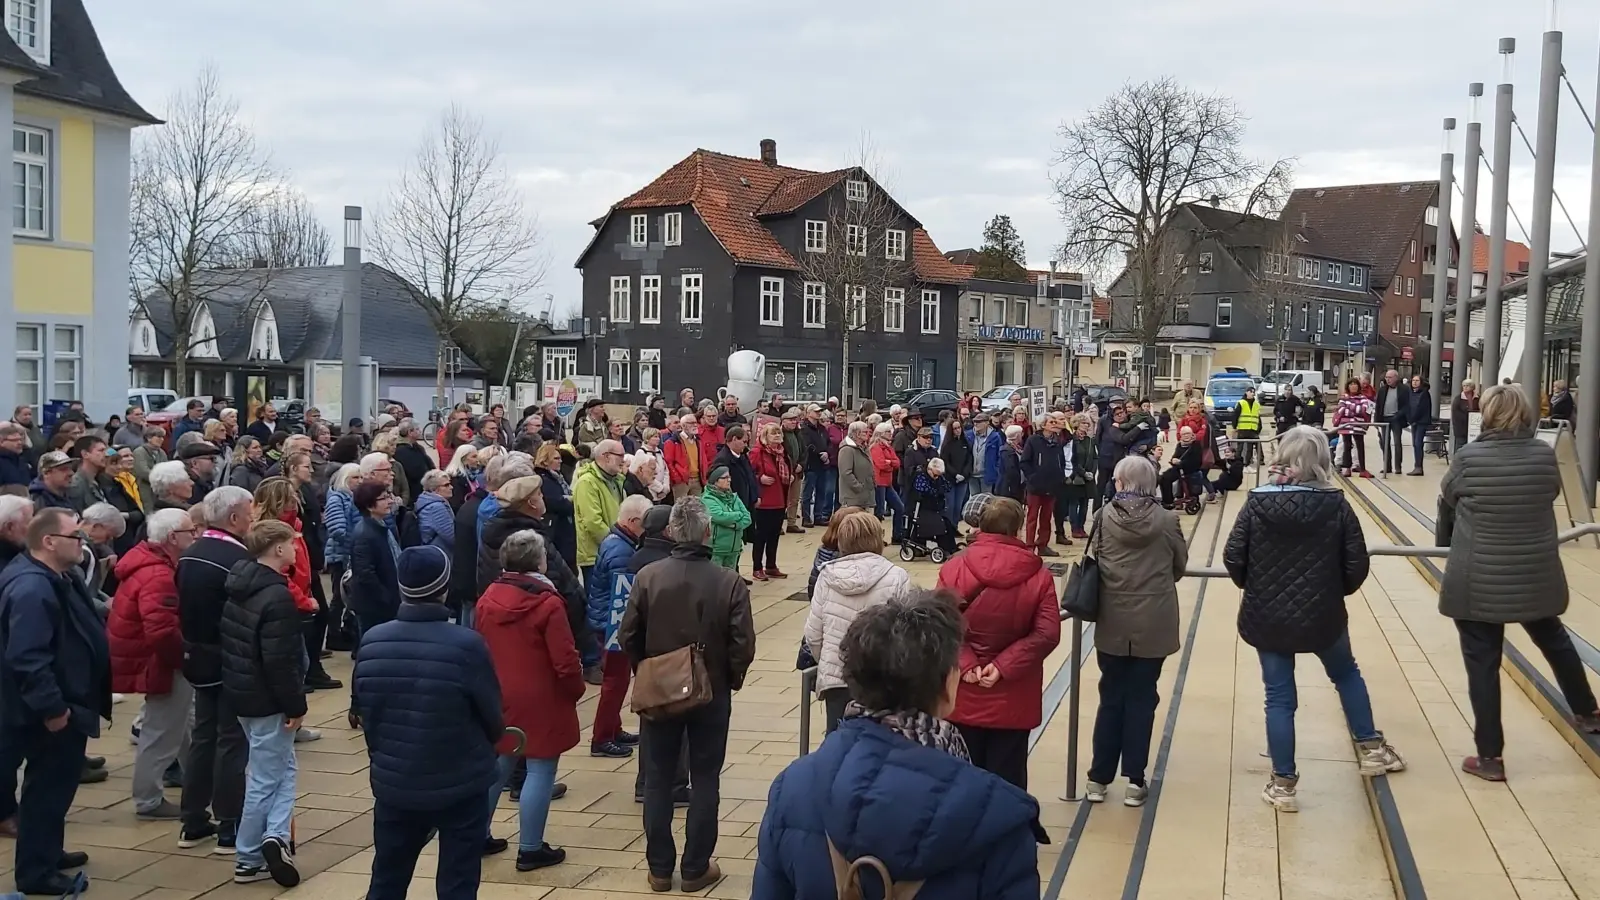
[(1224, 312), (1365, 324), (691, 288), (1413, 250), (894, 244), (1207, 263), (32, 172), (930, 311), (855, 240), (856, 306), (639, 230), (1338, 321), (855, 191), (71, 388), (816, 236), (1355, 276), (1322, 317), (672, 229), (1335, 273), (650, 299), (1398, 321), (617, 370), (771, 301), (1410, 323), (649, 372), (35, 358), (560, 363), (1269, 310), (38, 14), (622, 298), (814, 306), (1411, 286), (894, 309), (1305, 317)]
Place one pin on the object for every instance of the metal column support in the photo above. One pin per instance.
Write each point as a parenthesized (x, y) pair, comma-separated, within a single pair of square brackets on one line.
[(1588, 430), (1499, 203), (1441, 268), (1471, 159), (350, 393), (1544, 188)]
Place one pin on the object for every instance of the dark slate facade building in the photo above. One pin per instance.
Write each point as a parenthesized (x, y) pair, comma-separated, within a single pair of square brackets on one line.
[(703, 261)]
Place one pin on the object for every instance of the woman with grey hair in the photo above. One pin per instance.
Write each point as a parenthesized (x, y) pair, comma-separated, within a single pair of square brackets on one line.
[(902, 664), (1142, 554), (1496, 514), (523, 620), (1297, 551), (170, 486), (436, 520)]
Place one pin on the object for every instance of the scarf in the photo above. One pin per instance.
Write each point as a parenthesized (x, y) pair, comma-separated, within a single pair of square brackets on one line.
[(1130, 495), (1282, 475), (780, 460), (916, 727)]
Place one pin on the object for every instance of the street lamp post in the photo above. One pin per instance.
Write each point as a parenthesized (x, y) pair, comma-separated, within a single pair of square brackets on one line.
[(1441, 267), (1499, 204), (351, 394)]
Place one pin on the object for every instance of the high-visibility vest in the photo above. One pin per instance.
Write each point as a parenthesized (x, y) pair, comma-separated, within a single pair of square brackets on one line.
[(1249, 415)]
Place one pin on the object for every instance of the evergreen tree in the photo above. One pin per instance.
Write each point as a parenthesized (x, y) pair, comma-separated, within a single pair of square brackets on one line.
[(1002, 255)]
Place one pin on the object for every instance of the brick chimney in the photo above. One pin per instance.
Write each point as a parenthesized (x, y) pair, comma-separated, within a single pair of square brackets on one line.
[(769, 152)]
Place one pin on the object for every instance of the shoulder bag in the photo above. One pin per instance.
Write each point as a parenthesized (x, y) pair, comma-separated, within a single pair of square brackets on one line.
[(1080, 599), (847, 877), (675, 682)]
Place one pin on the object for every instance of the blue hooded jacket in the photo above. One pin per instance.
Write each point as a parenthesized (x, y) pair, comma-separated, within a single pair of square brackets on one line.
[(926, 814), (992, 443), (612, 559)]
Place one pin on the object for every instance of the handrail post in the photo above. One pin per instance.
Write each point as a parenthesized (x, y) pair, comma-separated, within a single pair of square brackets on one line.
[(1074, 692), (808, 679)]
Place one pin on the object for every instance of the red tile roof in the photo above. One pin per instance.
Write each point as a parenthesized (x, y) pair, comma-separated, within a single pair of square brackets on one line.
[(1363, 223), (1517, 256), (731, 194)]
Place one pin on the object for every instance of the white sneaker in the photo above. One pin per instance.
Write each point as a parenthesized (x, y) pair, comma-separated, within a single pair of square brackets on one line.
[(1135, 795), (307, 735), (117, 698), (1094, 792), (1280, 793), (1378, 758)]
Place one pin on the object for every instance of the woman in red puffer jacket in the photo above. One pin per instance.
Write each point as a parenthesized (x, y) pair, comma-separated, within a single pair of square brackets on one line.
[(1008, 599), (146, 643), (523, 619)]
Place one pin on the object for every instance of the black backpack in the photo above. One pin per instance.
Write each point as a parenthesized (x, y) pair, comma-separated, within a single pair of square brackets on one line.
[(408, 527)]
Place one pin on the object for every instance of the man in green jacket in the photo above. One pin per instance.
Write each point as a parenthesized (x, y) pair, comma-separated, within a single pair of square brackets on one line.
[(596, 499)]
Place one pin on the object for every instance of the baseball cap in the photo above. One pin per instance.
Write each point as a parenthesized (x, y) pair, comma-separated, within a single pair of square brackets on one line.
[(55, 459)]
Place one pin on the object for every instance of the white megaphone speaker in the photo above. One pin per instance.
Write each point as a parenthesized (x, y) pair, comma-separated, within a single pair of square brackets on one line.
[(747, 379)]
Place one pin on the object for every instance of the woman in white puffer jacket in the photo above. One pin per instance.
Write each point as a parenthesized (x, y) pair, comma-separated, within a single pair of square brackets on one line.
[(859, 578)]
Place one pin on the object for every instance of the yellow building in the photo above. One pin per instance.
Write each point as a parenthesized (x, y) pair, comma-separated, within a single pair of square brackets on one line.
[(65, 271)]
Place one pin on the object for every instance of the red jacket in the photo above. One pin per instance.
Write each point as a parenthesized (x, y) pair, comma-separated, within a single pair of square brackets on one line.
[(884, 463), (677, 457), (1009, 603), (146, 643), (299, 575), (772, 462), (710, 445), (1198, 425), (524, 621)]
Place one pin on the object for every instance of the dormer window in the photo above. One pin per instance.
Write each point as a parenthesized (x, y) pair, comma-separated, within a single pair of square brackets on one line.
[(264, 337), (28, 21), (203, 335)]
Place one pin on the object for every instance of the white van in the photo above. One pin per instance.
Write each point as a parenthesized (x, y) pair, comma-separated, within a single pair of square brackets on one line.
[(1298, 380)]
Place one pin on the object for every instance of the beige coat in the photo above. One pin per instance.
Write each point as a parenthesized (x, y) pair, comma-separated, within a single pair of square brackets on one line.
[(1142, 555)]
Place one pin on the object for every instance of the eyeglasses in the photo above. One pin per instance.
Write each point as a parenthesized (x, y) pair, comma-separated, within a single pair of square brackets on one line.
[(78, 536)]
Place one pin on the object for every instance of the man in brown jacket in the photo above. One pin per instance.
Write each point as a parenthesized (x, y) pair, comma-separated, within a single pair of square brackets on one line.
[(681, 600)]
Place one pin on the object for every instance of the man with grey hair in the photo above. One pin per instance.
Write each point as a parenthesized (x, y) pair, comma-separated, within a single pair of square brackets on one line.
[(15, 467), (147, 656), (213, 773), (410, 455), (102, 525), (682, 600), (608, 601)]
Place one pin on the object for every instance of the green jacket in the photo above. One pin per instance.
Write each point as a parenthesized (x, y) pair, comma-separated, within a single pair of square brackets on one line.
[(596, 500), (794, 448), (1086, 459), (591, 432), (729, 519)]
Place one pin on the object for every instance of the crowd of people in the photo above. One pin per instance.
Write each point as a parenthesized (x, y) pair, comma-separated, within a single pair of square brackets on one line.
[(483, 580)]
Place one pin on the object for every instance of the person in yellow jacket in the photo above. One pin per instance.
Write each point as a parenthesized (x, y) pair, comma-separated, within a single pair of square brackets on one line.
[(1248, 428), (596, 500)]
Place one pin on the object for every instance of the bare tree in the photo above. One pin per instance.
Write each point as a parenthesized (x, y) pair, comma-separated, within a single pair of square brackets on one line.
[(198, 185), (1129, 165), (284, 233), (455, 228), (864, 261)]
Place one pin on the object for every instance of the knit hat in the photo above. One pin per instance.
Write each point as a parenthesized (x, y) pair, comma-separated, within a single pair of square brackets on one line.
[(972, 513), (424, 572), (717, 474)]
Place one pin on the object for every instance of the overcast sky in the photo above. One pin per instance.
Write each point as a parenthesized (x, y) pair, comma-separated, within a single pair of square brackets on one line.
[(592, 101)]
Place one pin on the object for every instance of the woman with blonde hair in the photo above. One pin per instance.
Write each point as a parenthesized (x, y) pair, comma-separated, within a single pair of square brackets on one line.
[(1497, 516), (859, 578), (278, 499), (248, 465), (465, 474)]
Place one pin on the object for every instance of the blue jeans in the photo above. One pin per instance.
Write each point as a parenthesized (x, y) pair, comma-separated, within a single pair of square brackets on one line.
[(269, 786), (533, 804), (956, 500), (889, 501), (1077, 511), (1277, 676), (817, 496)]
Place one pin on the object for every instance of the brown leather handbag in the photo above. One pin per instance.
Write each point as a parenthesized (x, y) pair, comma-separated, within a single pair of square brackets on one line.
[(847, 877), (672, 684)]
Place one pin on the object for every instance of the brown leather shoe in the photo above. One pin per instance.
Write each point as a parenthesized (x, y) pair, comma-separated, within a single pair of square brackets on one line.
[(774, 573), (712, 875), (8, 827), (1485, 768), (659, 883)]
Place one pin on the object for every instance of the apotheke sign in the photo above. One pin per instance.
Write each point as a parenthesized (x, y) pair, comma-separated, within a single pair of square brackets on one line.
[(1008, 333)]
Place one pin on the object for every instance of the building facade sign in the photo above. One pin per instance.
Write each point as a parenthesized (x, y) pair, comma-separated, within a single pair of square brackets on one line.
[(1009, 333)]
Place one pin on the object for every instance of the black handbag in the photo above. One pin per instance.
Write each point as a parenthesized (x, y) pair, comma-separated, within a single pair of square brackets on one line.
[(1080, 599)]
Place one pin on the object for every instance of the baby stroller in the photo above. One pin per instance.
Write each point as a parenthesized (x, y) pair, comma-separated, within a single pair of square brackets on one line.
[(927, 522)]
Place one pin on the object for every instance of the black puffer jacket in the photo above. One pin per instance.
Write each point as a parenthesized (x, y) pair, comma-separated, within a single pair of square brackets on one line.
[(1297, 552), (262, 644), (202, 579), (506, 523)]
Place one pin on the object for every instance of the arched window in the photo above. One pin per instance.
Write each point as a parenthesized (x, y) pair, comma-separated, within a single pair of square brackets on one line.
[(264, 335), (203, 335), (142, 338)]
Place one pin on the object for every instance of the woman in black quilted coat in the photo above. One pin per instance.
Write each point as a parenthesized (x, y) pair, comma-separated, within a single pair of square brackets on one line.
[(1297, 551)]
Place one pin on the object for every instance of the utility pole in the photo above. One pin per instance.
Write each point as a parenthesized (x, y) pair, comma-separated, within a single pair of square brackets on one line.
[(1471, 161), (352, 385), (1441, 267)]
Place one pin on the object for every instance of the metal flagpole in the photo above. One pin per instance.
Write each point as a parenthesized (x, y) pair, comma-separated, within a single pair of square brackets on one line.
[(1499, 202), (1441, 266), (1589, 349), (1544, 187), (1470, 163), (351, 402)]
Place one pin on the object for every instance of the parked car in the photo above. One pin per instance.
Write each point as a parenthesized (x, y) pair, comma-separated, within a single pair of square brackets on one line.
[(1102, 395), (1223, 393), (1000, 398), (929, 402), (152, 400), (1297, 380)]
